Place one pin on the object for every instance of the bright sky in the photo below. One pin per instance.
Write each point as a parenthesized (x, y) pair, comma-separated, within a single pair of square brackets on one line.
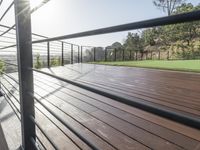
[(61, 17)]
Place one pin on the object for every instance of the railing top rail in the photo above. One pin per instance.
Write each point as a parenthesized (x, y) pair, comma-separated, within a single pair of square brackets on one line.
[(35, 34), (174, 19)]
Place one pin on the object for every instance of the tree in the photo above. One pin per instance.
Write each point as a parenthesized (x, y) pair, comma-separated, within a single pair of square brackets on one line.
[(134, 42), (116, 46), (180, 38), (185, 32), (168, 5), (55, 61), (149, 36)]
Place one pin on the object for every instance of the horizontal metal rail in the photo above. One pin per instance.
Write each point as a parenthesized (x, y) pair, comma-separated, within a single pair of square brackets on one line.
[(11, 64), (7, 30), (174, 19), (41, 4), (40, 142), (10, 46), (8, 37), (35, 34), (33, 10), (13, 107), (175, 116), (9, 77), (9, 7), (71, 128), (10, 93), (57, 126), (43, 132)]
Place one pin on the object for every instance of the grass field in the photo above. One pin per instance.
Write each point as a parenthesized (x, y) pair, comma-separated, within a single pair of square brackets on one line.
[(180, 65)]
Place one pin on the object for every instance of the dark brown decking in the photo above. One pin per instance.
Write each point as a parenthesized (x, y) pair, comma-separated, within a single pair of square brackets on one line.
[(110, 124)]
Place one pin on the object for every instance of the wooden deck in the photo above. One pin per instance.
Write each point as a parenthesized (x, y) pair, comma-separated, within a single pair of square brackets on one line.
[(110, 124)]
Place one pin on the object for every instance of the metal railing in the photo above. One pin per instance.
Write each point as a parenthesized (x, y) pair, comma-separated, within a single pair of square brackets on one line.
[(47, 50), (26, 105)]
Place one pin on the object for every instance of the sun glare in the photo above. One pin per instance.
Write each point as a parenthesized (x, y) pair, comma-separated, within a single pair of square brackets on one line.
[(35, 3)]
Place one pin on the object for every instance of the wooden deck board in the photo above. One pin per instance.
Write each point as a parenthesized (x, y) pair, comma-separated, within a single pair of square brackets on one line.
[(111, 76), (110, 124), (87, 97)]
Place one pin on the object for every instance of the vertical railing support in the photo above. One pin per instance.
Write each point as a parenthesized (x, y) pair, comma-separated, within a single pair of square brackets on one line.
[(136, 55), (48, 54), (94, 54), (123, 57), (78, 54), (25, 73), (115, 58), (72, 55), (158, 55), (146, 55), (130, 57), (62, 59), (81, 54), (105, 54), (151, 55)]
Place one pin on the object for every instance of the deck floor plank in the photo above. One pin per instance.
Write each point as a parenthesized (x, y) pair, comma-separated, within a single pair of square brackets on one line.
[(64, 94), (113, 125)]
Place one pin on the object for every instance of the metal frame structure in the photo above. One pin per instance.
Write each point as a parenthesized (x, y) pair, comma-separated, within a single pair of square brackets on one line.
[(175, 19), (25, 69), (24, 51)]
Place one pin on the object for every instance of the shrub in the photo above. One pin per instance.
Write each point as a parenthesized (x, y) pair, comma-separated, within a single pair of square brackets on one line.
[(56, 61), (38, 63)]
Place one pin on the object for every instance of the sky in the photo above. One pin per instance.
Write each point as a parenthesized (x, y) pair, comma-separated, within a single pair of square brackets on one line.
[(62, 17)]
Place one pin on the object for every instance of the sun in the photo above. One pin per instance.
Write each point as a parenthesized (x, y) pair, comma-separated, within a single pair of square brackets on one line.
[(35, 3)]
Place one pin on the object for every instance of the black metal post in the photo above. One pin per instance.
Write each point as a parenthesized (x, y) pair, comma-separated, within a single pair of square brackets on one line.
[(62, 54), (159, 55), (115, 51), (130, 55), (48, 54), (25, 62), (81, 54), (105, 54), (151, 55), (94, 54), (123, 58), (146, 55), (136, 55), (72, 55), (78, 54)]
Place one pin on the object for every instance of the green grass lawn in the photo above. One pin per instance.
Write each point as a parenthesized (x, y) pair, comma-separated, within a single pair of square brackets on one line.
[(180, 65)]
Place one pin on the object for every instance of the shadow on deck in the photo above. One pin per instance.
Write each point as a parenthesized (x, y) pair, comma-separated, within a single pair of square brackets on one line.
[(3, 143)]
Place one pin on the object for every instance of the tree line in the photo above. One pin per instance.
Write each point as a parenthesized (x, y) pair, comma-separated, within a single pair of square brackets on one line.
[(181, 40)]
